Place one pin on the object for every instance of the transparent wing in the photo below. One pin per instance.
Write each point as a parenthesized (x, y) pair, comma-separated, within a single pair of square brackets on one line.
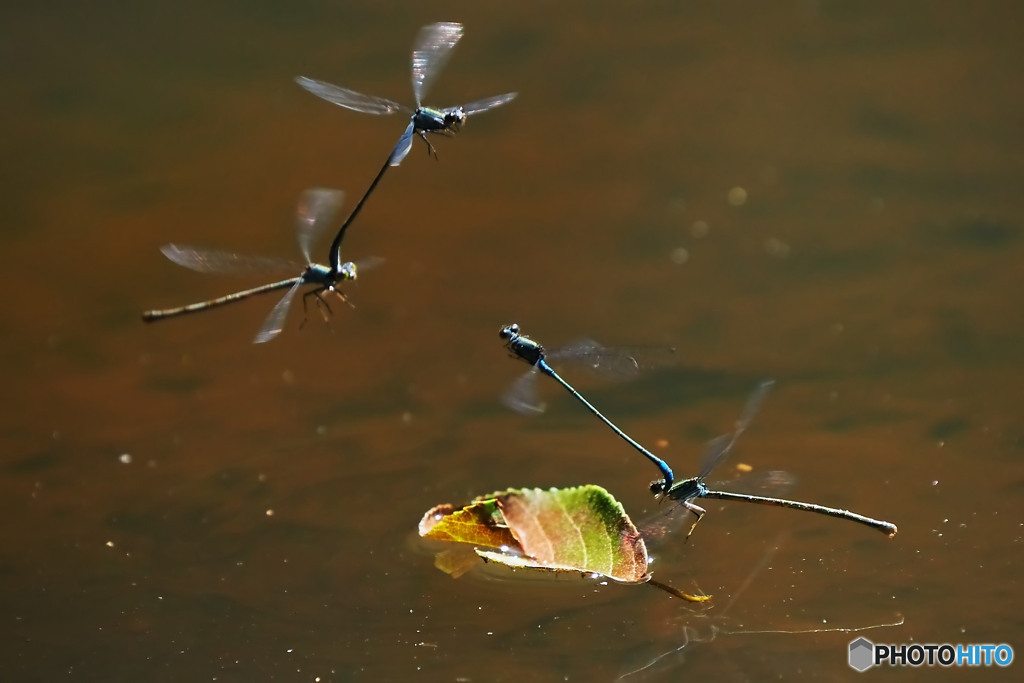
[(205, 260), (488, 103), (719, 447), (367, 263), (586, 354), (665, 522), (275, 321), (766, 483), (350, 269), (350, 99), (613, 363), (316, 211), (522, 395), (430, 53), (401, 149), (715, 452)]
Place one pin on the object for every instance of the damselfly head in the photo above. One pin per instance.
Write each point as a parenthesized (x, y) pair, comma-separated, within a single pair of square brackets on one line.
[(347, 271), (509, 332), (454, 118), (659, 487)]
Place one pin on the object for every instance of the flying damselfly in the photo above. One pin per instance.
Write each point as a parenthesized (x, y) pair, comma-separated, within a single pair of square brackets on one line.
[(316, 211), (431, 51)]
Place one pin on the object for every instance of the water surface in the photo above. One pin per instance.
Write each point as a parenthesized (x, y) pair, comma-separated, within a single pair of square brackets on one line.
[(823, 193)]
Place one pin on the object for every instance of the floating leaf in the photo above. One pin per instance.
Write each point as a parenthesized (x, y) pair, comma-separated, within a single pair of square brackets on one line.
[(580, 529)]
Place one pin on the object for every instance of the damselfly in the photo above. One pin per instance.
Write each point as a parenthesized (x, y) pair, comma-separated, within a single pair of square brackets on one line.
[(430, 53), (316, 211)]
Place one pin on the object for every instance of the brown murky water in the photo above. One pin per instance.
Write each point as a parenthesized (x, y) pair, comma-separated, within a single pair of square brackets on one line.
[(180, 504)]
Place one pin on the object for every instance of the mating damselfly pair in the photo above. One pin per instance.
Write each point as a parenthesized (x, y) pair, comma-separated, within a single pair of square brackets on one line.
[(317, 207), (683, 493)]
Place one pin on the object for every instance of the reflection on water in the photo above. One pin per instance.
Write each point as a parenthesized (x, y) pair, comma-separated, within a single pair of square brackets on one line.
[(826, 194)]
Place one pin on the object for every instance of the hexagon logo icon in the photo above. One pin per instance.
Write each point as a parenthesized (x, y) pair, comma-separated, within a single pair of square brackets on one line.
[(862, 654)]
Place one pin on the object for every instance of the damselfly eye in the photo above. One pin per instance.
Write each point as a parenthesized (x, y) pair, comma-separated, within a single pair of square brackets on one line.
[(455, 118)]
